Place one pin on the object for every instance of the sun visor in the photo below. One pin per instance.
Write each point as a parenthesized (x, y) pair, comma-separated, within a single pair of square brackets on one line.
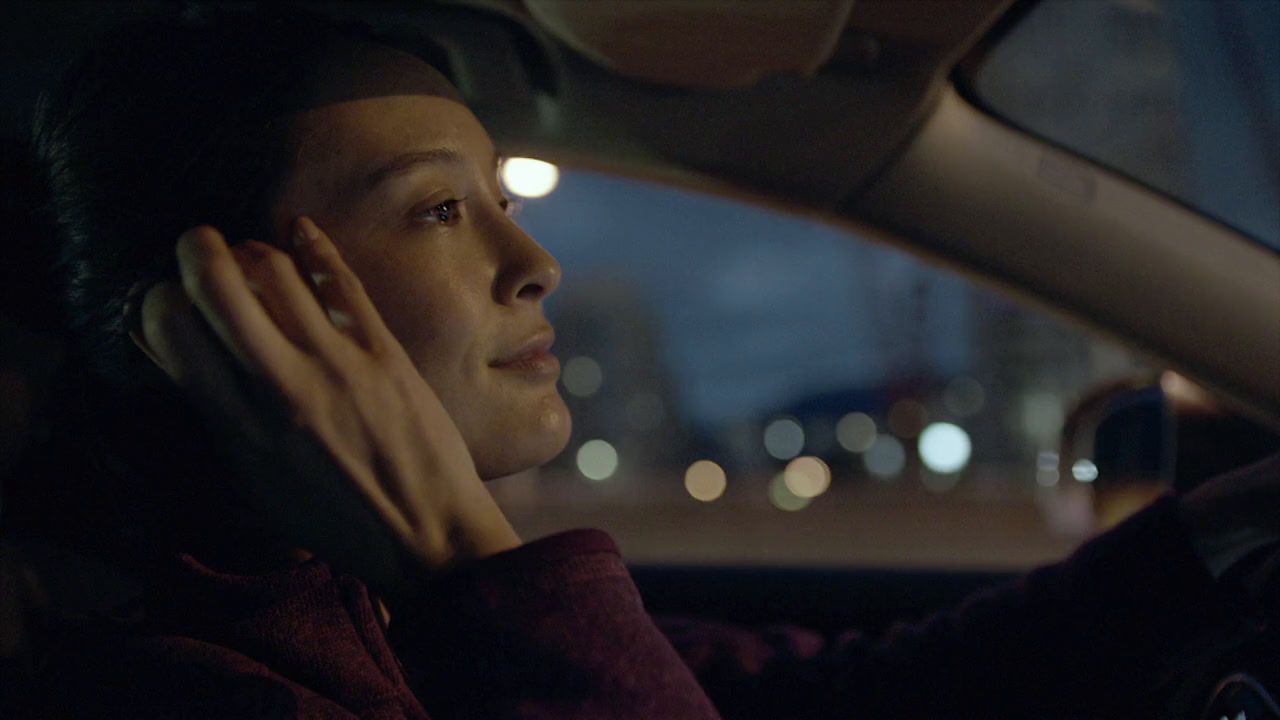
[(707, 44)]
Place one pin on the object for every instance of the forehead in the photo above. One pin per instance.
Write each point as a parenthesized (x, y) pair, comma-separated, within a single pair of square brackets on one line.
[(345, 143)]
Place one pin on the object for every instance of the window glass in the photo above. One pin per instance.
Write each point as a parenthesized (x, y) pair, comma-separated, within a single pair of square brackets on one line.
[(1183, 95), (750, 387)]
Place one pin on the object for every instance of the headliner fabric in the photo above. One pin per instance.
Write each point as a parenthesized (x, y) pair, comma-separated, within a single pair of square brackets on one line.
[(703, 44)]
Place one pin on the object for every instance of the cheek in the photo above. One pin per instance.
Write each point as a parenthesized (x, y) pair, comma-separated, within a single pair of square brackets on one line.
[(431, 313)]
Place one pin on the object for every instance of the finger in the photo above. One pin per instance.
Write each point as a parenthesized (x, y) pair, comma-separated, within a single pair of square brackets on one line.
[(275, 279), (178, 341), (339, 290), (213, 280)]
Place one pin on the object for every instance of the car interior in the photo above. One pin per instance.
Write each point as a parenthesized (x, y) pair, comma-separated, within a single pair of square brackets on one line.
[(867, 118)]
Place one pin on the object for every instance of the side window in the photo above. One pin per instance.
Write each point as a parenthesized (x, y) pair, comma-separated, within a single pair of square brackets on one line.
[(751, 387)]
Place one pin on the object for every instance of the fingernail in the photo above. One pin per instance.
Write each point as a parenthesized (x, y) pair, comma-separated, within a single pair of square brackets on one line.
[(340, 320), (306, 231)]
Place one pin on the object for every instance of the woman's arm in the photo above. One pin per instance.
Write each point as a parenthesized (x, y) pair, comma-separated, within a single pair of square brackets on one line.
[(1097, 635)]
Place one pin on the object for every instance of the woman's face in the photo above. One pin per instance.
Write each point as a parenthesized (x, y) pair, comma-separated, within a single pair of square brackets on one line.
[(407, 187)]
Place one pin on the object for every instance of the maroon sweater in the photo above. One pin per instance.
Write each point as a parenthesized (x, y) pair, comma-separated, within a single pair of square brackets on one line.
[(556, 629)]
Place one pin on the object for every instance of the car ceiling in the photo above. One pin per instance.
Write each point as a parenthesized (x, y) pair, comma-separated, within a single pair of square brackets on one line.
[(812, 129)]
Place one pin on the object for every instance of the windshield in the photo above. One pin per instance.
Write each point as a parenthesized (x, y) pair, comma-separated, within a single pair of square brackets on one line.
[(1182, 95)]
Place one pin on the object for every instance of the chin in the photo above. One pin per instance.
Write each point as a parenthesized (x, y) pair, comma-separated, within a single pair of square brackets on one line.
[(533, 445)]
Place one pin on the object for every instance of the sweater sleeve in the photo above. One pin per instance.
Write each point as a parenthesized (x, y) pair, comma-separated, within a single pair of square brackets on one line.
[(1092, 636), (552, 629)]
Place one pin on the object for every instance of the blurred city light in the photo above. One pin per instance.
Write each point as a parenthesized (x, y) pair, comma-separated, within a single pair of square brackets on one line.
[(1041, 415), (1047, 469), (1084, 471), (856, 432), (807, 477), (705, 481), (529, 178), (945, 448), (964, 397), (885, 458), (597, 460), (582, 376), (907, 418), (783, 438), (782, 497)]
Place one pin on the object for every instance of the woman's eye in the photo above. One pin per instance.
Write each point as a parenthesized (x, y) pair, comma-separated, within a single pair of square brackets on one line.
[(447, 213)]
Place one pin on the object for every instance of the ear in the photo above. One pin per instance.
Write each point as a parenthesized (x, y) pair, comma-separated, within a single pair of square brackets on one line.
[(133, 320), (136, 336)]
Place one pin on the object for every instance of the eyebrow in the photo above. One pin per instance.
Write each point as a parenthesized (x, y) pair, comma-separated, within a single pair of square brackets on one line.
[(408, 162), (411, 160)]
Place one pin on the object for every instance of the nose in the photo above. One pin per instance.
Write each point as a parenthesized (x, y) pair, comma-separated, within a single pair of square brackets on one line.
[(527, 273)]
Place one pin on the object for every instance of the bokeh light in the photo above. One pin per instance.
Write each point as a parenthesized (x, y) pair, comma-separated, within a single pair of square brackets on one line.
[(1047, 469), (529, 178), (945, 448), (886, 457), (807, 477), (1084, 471), (1042, 415), (783, 438), (705, 481), (597, 460), (964, 397), (782, 497), (856, 432), (582, 376)]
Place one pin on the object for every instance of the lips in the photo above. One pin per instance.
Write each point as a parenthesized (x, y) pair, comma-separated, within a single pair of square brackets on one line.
[(532, 357)]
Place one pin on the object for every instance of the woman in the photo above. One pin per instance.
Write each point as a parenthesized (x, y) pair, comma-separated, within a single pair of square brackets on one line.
[(313, 495)]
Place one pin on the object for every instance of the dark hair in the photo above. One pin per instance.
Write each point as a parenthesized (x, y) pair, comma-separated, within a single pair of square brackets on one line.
[(158, 128), (165, 124)]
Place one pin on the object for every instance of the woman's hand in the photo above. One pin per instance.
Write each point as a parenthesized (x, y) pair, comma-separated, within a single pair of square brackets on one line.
[(343, 444), (1234, 514)]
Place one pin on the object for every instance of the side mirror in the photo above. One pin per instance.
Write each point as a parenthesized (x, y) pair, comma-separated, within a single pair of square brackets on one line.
[(1133, 438)]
